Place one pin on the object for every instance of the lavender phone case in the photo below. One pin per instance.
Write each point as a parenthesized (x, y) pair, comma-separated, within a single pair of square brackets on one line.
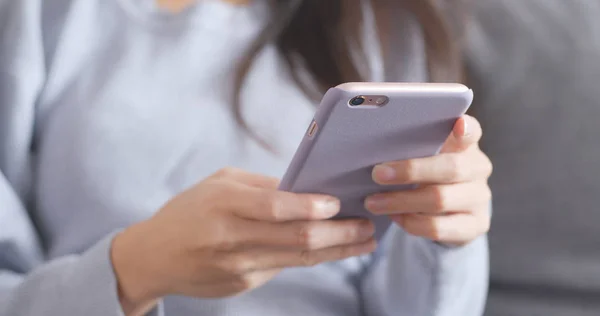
[(348, 141)]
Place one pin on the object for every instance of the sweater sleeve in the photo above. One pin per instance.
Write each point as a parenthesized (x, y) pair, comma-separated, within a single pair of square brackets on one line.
[(414, 276), (83, 284), (73, 285)]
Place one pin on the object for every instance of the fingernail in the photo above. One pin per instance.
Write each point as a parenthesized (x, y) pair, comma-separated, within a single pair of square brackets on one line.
[(375, 203), (327, 206), (466, 131), (367, 229), (384, 173)]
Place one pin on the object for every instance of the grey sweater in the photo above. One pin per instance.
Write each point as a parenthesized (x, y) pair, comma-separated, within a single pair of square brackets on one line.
[(535, 67)]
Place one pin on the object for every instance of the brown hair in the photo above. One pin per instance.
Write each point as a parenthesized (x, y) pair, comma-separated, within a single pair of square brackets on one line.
[(318, 36)]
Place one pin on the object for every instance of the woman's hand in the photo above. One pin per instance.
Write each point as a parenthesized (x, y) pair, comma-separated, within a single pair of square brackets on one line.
[(451, 204), (231, 233)]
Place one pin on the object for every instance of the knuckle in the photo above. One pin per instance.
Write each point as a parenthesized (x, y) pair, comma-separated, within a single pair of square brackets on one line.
[(410, 173), (222, 238), (439, 198), (226, 172), (242, 283), (305, 236), (310, 208), (238, 265), (225, 265), (489, 167), (478, 128), (273, 205), (454, 171), (351, 234), (487, 193), (307, 258), (220, 191)]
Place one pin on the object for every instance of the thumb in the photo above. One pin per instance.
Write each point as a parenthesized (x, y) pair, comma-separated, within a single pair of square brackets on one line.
[(466, 133)]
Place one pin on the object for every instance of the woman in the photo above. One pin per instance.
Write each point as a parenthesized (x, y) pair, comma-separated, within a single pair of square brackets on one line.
[(118, 142)]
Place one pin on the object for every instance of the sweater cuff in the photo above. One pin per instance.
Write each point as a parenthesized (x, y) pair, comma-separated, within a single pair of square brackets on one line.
[(94, 284)]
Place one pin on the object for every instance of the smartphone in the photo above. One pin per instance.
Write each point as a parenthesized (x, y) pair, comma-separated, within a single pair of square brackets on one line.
[(360, 125)]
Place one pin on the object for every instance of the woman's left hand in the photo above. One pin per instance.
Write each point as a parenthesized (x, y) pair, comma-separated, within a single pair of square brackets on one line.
[(451, 204)]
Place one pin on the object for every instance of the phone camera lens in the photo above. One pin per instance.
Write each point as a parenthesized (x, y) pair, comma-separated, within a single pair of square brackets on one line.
[(357, 101)]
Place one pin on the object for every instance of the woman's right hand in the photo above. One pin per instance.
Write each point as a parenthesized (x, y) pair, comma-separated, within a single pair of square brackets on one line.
[(231, 233)]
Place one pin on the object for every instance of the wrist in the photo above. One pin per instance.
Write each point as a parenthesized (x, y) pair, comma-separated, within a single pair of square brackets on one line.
[(138, 288)]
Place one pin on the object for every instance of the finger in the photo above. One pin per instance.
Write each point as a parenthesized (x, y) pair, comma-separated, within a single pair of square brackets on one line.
[(247, 178), (444, 168), (307, 235), (434, 199), (451, 229), (279, 206), (466, 133), (267, 259)]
